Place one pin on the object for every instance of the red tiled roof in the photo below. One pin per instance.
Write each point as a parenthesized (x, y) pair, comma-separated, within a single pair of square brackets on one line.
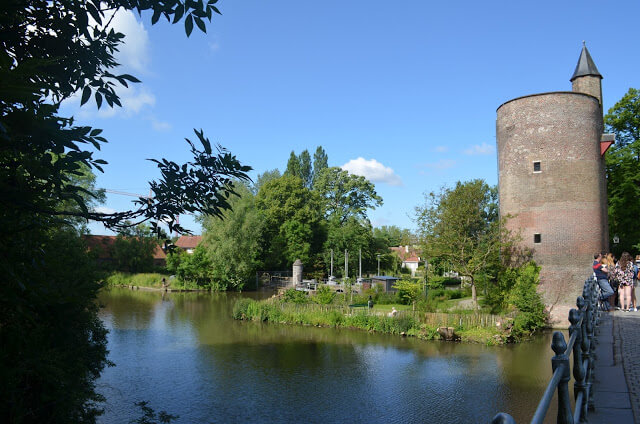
[(100, 244), (188, 242), (410, 256)]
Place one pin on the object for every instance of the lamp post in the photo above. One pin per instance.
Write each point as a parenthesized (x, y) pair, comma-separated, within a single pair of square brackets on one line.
[(378, 264)]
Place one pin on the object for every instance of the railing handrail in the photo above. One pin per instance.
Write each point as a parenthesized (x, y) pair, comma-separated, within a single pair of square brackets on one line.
[(581, 346)]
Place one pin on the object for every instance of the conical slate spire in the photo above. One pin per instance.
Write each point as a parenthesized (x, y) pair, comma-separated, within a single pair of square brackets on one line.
[(585, 65)]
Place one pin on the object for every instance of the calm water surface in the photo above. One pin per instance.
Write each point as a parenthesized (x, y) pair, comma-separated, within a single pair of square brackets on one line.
[(183, 353)]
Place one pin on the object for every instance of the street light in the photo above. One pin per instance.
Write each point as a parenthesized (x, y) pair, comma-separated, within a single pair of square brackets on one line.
[(378, 264)]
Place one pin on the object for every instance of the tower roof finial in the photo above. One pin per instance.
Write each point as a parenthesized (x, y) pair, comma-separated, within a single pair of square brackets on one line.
[(585, 65)]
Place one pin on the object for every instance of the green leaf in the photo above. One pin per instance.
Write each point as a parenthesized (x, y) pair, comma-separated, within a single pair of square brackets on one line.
[(86, 93), (98, 99), (129, 77), (201, 25), (95, 132), (156, 16), (178, 13), (188, 25)]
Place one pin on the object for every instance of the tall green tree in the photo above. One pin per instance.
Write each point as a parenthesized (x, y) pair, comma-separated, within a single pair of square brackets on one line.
[(353, 235), (623, 171), (320, 163), (233, 241), (461, 227), (306, 168), (293, 225), (263, 178), (53, 343), (346, 195), (293, 166)]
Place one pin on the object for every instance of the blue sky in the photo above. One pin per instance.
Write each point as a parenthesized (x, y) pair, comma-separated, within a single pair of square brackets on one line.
[(404, 92)]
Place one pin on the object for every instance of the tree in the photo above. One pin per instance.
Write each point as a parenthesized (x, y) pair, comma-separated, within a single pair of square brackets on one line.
[(306, 173), (393, 236), (264, 178), (461, 227), (346, 195), (53, 343), (233, 242), (133, 249), (292, 216), (353, 235), (51, 51), (623, 170), (320, 163), (293, 166), (409, 291)]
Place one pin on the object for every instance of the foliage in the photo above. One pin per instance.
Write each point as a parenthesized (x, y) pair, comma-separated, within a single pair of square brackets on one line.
[(527, 300), (352, 235), (409, 291), (320, 162), (133, 250), (393, 236), (51, 51), (346, 195), (53, 343), (194, 268), (141, 279), (232, 242), (324, 295), (623, 171), (292, 218), (461, 227), (241, 307), (149, 416), (295, 296)]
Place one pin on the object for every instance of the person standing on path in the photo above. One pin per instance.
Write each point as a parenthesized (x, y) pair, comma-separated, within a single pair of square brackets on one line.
[(609, 261), (601, 272), (624, 273)]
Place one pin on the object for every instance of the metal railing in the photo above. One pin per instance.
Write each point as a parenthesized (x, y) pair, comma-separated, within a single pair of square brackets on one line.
[(583, 321)]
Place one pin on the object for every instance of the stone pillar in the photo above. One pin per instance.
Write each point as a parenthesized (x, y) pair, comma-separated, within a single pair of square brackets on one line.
[(297, 271)]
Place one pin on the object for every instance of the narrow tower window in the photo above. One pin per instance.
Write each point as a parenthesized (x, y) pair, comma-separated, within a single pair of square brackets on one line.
[(536, 167), (537, 238)]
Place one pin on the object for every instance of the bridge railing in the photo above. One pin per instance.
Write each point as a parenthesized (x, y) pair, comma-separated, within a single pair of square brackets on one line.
[(581, 346)]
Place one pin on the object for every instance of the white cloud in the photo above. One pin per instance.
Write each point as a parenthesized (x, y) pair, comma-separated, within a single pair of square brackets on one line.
[(373, 171), (134, 58), (133, 98), (134, 52), (441, 149), (159, 125), (480, 149), (103, 209)]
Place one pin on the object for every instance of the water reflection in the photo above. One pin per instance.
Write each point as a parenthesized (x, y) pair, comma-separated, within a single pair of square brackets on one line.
[(185, 354)]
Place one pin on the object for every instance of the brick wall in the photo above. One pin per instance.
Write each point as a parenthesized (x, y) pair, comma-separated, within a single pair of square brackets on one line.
[(565, 202)]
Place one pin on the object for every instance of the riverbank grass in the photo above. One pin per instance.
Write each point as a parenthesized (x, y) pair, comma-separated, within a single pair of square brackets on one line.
[(377, 319)]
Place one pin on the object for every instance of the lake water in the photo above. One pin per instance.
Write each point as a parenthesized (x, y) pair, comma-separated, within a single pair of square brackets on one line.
[(184, 353)]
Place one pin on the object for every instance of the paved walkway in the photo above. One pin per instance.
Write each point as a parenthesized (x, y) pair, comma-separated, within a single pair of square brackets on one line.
[(617, 375)]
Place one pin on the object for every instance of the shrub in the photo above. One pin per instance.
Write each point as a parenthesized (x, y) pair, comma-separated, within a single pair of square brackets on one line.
[(295, 296), (241, 307), (324, 295)]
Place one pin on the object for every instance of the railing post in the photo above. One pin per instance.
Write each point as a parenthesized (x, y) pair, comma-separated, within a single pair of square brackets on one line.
[(503, 418), (591, 318), (561, 362), (576, 317)]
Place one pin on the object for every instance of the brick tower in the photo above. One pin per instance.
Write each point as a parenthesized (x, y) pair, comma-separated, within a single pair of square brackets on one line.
[(552, 181)]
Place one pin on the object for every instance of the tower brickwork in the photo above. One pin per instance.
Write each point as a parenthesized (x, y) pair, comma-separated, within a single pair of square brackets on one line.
[(552, 184)]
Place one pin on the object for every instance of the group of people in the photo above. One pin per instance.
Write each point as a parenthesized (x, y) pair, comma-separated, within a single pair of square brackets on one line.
[(617, 281)]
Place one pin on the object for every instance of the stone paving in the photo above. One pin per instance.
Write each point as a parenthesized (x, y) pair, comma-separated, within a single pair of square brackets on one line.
[(616, 386)]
